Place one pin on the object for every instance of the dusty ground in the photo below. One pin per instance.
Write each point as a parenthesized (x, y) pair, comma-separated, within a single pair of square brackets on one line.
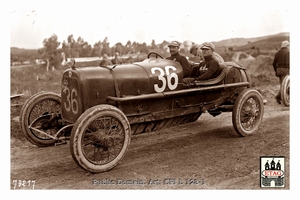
[(206, 154)]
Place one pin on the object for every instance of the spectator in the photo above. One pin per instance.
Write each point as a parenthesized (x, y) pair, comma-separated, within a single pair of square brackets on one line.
[(281, 65), (174, 51), (105, 61), (196, 57), (117, 60)]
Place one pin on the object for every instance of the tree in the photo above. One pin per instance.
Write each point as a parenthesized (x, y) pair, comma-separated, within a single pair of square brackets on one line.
[(65, 48), (153, 45), (71, 46), (82, 48), (18, 55), (127, 47), (97, 49), (118, 47), (144, 48), (105, 47), (133, 48), (50, 51), (163, 44), (86, 50)]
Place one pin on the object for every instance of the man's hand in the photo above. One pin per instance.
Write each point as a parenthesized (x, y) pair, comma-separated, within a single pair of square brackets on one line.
[(189, 81)]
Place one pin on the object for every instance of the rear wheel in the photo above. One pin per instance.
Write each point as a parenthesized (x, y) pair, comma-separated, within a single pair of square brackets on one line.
[(40, 118), (100, 138), (247, 112), (285, 91)]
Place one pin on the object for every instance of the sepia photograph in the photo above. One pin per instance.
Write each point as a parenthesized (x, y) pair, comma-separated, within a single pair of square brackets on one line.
[(151, 95)]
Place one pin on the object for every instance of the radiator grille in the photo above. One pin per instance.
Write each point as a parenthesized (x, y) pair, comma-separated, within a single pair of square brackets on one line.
[(71, 99)]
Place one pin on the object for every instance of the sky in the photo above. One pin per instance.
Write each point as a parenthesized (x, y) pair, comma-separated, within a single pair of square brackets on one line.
[(144, 21)]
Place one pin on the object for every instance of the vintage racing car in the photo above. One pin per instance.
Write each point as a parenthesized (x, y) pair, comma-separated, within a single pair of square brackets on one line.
[(100, 108)]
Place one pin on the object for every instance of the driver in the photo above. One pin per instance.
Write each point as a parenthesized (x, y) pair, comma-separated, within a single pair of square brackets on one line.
[(174, 47)]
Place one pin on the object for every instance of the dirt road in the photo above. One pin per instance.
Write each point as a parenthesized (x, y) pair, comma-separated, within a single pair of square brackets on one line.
[(206, 154)]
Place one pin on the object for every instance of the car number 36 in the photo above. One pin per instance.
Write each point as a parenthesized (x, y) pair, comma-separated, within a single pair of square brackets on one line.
[(71, 101), (170, 80)]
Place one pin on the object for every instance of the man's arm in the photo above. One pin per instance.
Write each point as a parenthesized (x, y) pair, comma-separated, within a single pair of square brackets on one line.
[(288, 59), (207, 74), (186, 67), (213, 67), (275, 62)]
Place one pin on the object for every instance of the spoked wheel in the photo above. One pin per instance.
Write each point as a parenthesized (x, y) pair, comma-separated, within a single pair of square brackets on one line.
[(285, 91), (247, 112), (40, 118), (100, 138)]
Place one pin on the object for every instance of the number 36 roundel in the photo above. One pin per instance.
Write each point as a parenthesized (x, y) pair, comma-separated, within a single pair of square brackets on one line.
[(170, 80)]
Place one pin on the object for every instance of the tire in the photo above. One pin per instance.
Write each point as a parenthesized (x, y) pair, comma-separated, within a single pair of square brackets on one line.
[(35, 113), (285, 91), (100, 138), (247, 112)]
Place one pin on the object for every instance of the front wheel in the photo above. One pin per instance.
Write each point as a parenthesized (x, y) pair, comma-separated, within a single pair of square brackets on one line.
[(40, 118), (100, 138), (285, 91), (247, 112)]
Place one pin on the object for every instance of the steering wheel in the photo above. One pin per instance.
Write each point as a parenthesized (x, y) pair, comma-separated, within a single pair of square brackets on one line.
[(157, 55)]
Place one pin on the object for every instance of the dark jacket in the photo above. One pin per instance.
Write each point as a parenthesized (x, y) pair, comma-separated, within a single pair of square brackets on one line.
[(209, 69), (183, 62), (281, 59)]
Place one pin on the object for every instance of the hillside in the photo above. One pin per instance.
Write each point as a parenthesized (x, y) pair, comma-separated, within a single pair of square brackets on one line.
[(268, 43), (21, 55), (265, 42), (16, 50)]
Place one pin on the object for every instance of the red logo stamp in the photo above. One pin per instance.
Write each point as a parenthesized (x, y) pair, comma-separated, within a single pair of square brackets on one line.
[(272, 171)]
